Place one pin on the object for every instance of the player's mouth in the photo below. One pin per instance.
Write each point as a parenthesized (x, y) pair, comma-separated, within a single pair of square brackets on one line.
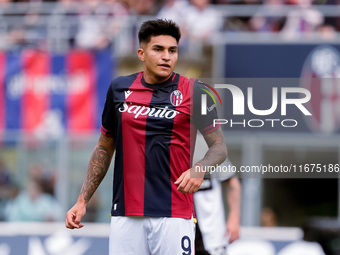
[(165, 66)]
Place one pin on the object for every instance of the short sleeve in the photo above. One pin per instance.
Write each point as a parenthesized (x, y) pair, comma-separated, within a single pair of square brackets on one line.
[(108, 116), (203, 122)]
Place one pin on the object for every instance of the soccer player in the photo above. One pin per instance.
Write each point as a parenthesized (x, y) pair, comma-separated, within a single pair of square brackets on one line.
[(214, 233), (149, 122)]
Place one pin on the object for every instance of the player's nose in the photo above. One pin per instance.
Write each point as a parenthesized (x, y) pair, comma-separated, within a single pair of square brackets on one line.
[(166, 55)]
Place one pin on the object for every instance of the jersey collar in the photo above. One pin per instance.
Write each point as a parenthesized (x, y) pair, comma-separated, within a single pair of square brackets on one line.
[(158, 85)]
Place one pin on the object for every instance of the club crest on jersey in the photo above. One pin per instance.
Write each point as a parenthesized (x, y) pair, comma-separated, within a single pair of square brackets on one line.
[(176, 98)]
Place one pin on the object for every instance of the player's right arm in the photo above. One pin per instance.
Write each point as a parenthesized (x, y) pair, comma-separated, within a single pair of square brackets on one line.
[(97, 169)]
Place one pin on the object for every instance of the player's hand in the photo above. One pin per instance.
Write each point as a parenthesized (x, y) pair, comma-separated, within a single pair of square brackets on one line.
[(233, 228), (189, 181), (74, 215)]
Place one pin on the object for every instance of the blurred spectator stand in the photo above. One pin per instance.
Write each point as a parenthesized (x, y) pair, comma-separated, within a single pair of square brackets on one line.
[(7, 189), (35, 203)]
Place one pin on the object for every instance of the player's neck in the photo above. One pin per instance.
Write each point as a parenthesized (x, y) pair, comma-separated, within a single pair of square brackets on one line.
[(152, 79)]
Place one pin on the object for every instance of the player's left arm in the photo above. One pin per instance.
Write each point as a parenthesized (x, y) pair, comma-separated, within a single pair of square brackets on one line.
[(234, 202), (217, 152), (192, 179)]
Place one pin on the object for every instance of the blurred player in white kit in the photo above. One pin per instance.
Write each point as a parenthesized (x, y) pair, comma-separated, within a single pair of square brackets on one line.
[(214, 233)]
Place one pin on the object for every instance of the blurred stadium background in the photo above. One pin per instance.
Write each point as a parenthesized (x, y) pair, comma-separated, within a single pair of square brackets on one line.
[(56, 62)]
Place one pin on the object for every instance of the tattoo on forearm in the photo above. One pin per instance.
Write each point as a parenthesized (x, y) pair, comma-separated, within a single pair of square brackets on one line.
[(217, 149), (97, 169), (104, 138), (215, 155)]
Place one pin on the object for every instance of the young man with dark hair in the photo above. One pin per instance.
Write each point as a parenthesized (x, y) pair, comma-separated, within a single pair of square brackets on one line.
[(149, 122)]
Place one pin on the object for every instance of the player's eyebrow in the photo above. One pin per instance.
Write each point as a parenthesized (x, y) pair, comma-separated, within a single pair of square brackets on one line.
[(158, 46), (162, 47)]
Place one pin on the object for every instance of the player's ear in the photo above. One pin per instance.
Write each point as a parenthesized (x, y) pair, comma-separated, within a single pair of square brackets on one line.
[(141, 54)]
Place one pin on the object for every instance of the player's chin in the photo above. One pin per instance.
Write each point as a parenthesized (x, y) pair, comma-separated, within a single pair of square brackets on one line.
[(165, 72)]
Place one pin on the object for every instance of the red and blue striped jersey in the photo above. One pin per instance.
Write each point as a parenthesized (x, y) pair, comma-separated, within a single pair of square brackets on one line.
[(153, 126)]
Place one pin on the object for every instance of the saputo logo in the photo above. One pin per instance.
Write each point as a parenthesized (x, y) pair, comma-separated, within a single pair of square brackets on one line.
[(157, 112), (238, 106)]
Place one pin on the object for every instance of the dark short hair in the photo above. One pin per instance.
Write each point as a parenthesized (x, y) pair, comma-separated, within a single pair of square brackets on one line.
[(158, 27)]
